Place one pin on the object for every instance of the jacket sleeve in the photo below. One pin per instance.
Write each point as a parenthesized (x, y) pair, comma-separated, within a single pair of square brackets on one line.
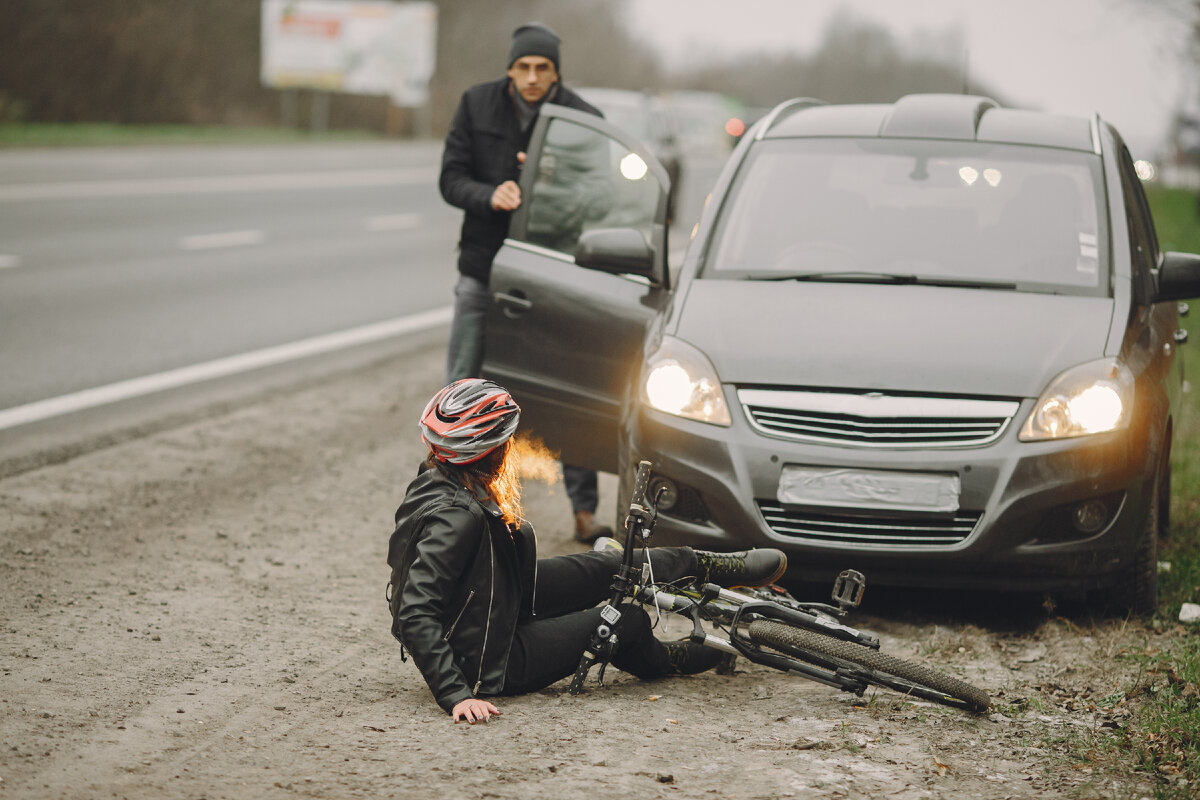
[(447, 544), (458, 184)]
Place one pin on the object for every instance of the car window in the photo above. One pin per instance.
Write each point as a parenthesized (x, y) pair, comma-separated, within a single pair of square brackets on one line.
[(1143, 245), (954, 211), (587, 180)]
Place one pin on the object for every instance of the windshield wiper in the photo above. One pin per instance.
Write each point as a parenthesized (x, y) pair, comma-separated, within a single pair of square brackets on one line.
[(847, 277), (885, 278)]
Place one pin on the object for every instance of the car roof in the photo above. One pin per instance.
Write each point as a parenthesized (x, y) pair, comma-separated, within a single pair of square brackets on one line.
[(608, 95), (931, 116)]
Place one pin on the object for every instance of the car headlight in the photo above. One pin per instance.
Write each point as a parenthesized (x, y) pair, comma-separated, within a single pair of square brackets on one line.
[(680, 380), (1091, 398)]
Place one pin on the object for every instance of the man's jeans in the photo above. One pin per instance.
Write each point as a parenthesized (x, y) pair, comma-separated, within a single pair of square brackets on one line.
[(465, 356), (464, 359)]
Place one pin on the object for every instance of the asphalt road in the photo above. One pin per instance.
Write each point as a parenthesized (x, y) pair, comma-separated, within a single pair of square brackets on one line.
[(122, 264)]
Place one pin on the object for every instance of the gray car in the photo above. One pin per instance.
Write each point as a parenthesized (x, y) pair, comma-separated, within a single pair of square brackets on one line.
[(934, 341)]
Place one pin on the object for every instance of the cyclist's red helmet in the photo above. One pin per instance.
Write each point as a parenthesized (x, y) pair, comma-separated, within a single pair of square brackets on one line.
[(468, 419)]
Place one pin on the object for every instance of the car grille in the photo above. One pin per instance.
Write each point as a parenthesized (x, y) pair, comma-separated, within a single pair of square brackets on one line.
[(877, 420), (855, 529)]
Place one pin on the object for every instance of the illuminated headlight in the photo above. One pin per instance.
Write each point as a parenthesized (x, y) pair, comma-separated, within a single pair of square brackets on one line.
[(679, 380), (1091, 398)]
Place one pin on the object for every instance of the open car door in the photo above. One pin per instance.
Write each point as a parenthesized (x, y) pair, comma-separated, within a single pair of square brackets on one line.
[(577, 282)]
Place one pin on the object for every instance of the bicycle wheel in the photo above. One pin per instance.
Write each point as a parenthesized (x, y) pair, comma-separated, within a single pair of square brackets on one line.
[(876, 667)]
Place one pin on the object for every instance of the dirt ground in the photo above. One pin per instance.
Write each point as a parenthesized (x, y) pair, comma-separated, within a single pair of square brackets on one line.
[(199, 613)]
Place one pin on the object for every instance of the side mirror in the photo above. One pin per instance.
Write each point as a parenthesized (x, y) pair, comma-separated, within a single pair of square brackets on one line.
[(621, 251), (1178, 277)]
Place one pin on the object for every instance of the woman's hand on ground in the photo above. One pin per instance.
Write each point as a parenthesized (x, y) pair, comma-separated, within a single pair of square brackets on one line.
[(474, 710)]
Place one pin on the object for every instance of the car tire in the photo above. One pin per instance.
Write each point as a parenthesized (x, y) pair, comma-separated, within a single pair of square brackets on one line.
[(1164, 498), (1136, 592)]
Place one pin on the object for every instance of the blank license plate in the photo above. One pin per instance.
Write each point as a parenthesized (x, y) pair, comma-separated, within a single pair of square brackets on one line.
[(869, 489)]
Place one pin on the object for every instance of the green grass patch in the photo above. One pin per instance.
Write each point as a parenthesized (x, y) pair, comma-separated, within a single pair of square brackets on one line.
[(1176, 218), (14, 134), (1164, 734), (1177, 221)]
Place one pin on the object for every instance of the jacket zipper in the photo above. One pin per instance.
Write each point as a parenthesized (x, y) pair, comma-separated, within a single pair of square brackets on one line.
[(533, 594), (463, 610), (491, 600)]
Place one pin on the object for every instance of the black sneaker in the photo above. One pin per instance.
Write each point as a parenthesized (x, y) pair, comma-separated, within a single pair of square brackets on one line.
[(689, 658), (759, 567)]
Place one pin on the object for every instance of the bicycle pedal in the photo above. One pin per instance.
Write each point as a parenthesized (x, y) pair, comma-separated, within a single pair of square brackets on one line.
[(727, 664), (848, 589)]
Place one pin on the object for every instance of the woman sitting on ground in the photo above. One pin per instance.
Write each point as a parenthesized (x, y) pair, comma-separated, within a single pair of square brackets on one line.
[(479, 612)]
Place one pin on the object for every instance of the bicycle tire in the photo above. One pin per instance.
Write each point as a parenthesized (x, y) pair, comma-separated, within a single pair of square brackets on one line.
[(881, 668)]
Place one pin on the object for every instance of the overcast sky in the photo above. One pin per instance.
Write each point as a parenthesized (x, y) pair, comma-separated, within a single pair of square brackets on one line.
[(1121, 58)]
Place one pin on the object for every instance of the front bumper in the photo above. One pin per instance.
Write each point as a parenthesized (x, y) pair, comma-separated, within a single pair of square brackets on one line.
[(1022, 493)]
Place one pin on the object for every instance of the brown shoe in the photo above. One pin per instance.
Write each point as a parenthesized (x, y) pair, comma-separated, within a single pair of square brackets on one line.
[(587, 529)]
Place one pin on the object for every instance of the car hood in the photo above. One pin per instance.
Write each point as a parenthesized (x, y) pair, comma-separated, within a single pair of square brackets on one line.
[(898, 338)]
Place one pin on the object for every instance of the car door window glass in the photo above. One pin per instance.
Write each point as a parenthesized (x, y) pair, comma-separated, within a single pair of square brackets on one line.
[(1141, 242), (588, 180)]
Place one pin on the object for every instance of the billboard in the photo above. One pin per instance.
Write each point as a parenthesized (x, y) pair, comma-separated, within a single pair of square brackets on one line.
[(355, 46)]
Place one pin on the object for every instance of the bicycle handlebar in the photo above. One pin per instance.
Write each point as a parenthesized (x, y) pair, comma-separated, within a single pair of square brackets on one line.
[(639, 524)]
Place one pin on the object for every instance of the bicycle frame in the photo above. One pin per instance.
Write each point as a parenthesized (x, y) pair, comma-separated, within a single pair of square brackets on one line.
[(738, 644), (630, 582)]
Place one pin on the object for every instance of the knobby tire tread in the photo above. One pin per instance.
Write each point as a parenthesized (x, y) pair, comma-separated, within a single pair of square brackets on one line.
[(797, 641)]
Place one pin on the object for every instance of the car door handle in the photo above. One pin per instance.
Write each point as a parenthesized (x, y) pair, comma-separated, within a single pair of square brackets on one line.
[(515, 305)]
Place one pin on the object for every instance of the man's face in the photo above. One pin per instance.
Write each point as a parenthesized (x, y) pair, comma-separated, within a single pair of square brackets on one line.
[(533, 76)]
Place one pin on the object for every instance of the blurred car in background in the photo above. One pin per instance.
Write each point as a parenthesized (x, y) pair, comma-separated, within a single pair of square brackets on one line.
[(648, 119), (709, 122), (934, 340)]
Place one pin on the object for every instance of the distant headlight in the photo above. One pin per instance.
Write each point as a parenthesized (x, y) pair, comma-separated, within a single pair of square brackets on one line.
[(680, 380), (1090, 398)]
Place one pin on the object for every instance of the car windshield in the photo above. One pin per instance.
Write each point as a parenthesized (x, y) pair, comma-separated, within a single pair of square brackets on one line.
[(914, 211)]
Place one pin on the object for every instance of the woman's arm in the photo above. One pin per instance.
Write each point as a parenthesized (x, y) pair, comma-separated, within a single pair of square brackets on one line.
[(447, 545)]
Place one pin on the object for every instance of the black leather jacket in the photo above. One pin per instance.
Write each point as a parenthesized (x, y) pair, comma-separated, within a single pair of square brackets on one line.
[(460, 584), (480, 154)]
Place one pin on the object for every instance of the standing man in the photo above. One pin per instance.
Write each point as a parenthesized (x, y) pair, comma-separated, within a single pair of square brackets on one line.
[(481, 167)]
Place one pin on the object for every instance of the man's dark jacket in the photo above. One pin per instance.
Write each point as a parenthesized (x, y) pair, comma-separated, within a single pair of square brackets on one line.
[(480, 154), (460, 584)]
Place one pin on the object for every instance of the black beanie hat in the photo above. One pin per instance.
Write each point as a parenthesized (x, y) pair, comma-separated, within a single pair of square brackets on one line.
[(534, 39)]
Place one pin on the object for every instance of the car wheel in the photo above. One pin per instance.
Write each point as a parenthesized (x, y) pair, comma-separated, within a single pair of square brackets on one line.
[(1164, 499), (1137, 590)]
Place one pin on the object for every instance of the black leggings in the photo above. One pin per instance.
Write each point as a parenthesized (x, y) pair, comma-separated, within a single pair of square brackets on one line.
[(547, 647)]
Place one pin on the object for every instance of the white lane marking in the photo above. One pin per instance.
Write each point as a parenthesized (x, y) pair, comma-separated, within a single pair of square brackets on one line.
[(9, 262), (221, 367), (209, 241), (273, 182), (392, 222)]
